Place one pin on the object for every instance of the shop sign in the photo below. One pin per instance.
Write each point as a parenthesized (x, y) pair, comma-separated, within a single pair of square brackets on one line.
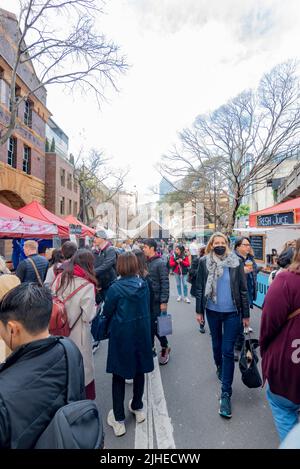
[(262, 288), (275, 219)]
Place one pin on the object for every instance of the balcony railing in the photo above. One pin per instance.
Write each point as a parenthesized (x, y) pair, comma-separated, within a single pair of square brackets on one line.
[(290, 188)]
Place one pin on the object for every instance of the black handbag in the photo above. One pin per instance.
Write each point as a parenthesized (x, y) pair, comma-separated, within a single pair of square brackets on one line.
[(99, 328), (248, 364)]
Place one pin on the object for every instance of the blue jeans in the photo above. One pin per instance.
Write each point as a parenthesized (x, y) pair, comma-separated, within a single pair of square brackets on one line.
[(285, 413), (181, 281), (224, 328)]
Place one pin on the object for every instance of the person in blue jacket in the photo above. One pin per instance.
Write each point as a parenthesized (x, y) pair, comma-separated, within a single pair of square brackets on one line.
[(127, 307)]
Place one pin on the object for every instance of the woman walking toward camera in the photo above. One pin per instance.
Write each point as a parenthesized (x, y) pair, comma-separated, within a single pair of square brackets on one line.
[(221, 292), (180, 264), (127, 307)]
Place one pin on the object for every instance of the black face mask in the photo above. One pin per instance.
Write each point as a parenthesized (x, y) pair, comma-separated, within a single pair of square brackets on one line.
[(220, 250)]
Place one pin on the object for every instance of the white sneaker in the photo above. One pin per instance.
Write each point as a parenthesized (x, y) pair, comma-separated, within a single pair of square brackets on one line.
[(179, 298), (139, 414), (187, 300), (118, 427)]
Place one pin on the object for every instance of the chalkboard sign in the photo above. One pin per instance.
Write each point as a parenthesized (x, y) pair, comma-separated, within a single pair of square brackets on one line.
[(275, 219), (75, 229), (258, 246)]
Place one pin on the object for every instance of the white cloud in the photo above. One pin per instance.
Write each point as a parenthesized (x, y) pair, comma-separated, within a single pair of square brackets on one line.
[(188, 57)]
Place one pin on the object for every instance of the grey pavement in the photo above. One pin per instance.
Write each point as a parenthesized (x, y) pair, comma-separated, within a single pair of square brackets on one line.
[(192, 393)]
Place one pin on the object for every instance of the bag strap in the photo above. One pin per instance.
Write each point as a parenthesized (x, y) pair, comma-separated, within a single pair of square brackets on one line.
[(75, 291), (72, 375), (36, 271), (294, 314)]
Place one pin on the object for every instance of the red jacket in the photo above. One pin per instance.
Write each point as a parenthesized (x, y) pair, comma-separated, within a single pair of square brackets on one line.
[(181, 268), (280, 337)]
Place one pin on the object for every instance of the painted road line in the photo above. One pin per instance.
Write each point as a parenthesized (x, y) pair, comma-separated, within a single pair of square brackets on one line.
[(162, 422), (144, 430)]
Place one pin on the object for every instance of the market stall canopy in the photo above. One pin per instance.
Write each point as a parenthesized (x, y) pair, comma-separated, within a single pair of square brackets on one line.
[(85, 230), (36, 210), (14, 224), (286, 213)]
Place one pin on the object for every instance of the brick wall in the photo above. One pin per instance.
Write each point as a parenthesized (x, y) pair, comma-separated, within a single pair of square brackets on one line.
[(54, 189), (50, 183)]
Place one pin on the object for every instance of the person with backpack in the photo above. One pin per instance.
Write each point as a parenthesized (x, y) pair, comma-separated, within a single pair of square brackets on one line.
[(34, 267), (76, 287), (127, 309), (180, 264), (33, 379)]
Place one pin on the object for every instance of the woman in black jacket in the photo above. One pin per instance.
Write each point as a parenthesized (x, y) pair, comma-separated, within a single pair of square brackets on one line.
[(221, 293)]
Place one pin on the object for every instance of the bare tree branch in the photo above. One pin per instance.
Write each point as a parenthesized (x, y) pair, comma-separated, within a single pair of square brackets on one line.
[(70, 53), (243, 142)]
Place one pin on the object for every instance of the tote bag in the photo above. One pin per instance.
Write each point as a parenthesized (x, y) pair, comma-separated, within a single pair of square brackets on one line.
[(164, 324)]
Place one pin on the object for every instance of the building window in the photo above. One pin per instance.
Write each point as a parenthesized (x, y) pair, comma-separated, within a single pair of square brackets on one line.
[(75, 185), (28, 113), (62, 177), (62, 206), (27, 160), (12, 152), (75, 209), (69, 182), (3, 89), (70, 207), (17, 95)]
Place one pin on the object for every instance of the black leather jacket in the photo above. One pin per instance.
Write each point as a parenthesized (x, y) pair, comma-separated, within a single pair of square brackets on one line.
[(238, 284)]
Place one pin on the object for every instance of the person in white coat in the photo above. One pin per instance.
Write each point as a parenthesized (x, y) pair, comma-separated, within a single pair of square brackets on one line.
[(81, 308)]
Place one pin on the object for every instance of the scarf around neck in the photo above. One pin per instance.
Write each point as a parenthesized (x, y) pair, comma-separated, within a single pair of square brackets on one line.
[(215, 266), (80, 272)]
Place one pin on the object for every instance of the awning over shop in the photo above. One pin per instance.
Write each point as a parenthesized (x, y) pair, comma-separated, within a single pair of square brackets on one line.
[(286, 213), (14, 224), (85, 230), (36, 210)]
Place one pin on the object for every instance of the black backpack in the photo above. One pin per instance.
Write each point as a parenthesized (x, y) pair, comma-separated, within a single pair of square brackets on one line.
[(78, 424)]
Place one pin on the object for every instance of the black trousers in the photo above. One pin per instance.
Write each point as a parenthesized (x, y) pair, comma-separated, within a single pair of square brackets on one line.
[(118, 394)]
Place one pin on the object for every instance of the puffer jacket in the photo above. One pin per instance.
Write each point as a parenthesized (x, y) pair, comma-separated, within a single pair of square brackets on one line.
[(33, 386), (25, 270), (238, 284), (159, 277)]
